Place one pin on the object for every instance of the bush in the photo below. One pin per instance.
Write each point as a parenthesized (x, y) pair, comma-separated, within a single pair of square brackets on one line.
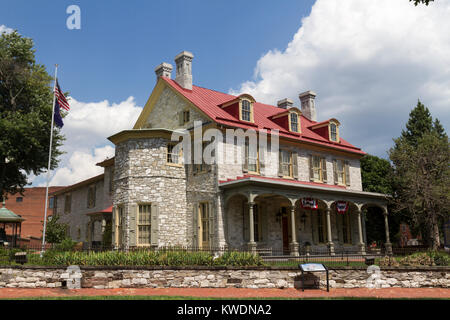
[(65, 245), (432, 258), (149, 258), (239, 259)]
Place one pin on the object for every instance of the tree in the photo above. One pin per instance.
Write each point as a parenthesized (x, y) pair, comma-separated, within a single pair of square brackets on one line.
[(426, 2), (376, 174), (422, 180), (55, 232), (25, 114)]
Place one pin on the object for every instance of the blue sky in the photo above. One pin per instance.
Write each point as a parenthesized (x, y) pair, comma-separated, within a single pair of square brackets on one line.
[(120, 42), (368, 61)]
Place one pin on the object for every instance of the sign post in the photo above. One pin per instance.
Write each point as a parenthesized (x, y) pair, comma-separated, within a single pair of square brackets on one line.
[(313, 267)]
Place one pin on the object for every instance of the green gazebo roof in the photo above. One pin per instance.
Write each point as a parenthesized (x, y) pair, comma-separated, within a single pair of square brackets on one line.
[(9, 216)]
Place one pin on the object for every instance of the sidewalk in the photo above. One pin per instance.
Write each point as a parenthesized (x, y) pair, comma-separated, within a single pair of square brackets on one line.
[(232, 292)]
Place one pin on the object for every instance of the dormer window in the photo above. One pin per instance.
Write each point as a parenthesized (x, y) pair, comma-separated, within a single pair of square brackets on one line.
[(246, 110), (293, 122), (334, 131)]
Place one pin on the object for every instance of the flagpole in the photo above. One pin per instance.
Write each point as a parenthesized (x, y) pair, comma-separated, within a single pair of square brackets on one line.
[(49, 162)]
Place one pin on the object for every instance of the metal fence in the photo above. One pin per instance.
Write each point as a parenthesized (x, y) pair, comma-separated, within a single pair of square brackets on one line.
[(342, 256)]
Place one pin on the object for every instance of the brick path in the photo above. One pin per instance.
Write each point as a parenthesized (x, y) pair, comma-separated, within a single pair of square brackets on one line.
[(232, 292)]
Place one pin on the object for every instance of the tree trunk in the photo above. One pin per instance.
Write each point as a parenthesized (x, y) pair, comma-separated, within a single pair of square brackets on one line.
[(434, 232)]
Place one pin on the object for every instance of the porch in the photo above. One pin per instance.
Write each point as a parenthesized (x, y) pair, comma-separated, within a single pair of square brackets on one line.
[(99, 229), (269, 216)]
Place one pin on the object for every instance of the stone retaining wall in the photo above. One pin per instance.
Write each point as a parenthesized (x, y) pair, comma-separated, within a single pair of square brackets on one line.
[(163, 277)]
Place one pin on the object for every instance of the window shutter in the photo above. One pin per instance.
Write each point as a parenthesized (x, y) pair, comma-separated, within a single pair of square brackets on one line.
[(245, 160), (195, 226), (94, 195), (113, 226), (180, 118), (324, 169), (311, 169), (154, 233), (211, 223), (133, 216), (335, 174), (295, 164), (280, 167), (347, 173)]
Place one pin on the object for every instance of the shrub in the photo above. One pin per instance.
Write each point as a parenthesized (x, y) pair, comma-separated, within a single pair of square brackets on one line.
[(238, 259), (149, 258), (65, 245), (432, 258)]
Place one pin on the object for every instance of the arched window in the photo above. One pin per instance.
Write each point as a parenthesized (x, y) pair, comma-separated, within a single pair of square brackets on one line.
[(294, 122), (333, 132), (246, 111)]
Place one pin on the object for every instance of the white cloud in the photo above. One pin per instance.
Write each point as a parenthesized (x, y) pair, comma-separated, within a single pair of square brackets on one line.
[(368, 61), (81, 166), (86, 128), (5, 29)]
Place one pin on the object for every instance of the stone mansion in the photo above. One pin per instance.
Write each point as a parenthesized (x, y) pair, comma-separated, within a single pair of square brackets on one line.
[(308, 196)]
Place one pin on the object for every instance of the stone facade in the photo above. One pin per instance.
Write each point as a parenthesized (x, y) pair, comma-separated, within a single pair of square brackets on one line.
[(121, 277)]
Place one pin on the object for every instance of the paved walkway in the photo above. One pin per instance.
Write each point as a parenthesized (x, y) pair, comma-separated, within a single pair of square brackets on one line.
[(232, 292)]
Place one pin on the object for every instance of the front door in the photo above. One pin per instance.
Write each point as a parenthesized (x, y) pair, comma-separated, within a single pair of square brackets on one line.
[(203, 225)]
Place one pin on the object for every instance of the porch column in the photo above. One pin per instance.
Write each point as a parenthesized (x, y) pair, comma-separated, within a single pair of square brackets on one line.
[(294, 243), (361, 245), (251, 244), (388, 244), (329, 235)]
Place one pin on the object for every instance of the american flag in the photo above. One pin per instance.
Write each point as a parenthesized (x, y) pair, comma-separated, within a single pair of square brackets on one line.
[(61, 98)]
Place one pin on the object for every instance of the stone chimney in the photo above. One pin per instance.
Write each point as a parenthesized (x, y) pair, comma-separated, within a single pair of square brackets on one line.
[(308, 105), (163, 70), (184, 69), (285, 103)]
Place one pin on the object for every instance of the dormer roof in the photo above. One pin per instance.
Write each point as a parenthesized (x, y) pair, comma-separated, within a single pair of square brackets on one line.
[(210, 103)]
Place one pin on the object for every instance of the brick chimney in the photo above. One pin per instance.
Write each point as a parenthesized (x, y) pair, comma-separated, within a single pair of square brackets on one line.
[(308, 105), (285, 103), (163, 70), (183, 62)]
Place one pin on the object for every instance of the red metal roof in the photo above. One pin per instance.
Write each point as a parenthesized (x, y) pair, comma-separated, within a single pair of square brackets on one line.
[(208, 101), (308, 183)]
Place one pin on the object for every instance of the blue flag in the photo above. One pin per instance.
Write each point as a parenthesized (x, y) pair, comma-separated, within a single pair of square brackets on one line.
[(58, 119)]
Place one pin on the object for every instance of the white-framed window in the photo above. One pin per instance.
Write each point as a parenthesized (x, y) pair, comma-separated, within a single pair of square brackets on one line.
[(174, 153), (144, 224)]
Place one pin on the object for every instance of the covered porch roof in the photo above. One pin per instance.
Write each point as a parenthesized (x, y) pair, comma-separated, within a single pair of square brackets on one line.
[(252, 186)]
